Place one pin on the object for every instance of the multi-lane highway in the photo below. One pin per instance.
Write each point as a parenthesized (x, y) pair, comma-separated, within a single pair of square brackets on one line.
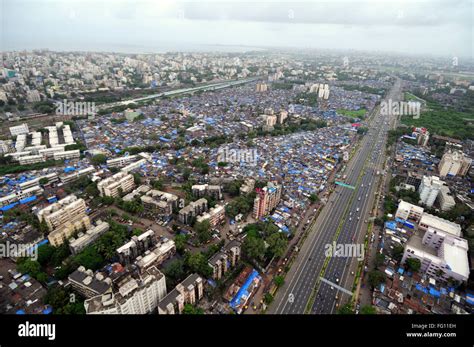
[(207, 87), (344, 221)]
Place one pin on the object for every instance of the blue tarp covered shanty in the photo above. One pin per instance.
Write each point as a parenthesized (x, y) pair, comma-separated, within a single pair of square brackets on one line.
[(20, 312), (48, 310), (69, 169), (434, 292), (243, 291), (391, 225), (27, 200), (408, 224), (8, 207), (470, 298)]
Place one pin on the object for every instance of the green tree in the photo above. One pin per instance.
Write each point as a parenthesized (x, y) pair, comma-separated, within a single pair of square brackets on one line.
[(413, 264), (277, 244), (43, 181), (279, 281), (175, 270), (313, 198), (379, 260), (203, 230), (368, 309), (190, 309), (376, 277), (346, 309), (268, 298), (180, 242), (99, 159), (253, 248), (397, 252)]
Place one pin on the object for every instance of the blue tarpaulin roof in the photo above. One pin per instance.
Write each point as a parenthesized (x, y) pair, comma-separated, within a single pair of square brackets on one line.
[(470, 298), (27, 200), (243, 290), (8, 207)]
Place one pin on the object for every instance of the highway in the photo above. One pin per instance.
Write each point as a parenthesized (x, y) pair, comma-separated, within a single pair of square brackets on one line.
[(344, 221), (213, 86)]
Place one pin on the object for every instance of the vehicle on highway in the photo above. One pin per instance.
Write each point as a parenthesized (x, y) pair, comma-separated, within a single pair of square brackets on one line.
[(357, 210)]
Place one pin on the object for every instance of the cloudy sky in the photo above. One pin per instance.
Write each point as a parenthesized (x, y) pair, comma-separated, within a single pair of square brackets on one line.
[(440, 27)]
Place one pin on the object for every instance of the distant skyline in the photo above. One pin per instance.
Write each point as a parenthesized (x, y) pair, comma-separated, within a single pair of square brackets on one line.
[(407, 27)]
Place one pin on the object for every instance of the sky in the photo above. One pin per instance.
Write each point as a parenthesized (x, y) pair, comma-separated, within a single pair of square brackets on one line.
[(439, 27)]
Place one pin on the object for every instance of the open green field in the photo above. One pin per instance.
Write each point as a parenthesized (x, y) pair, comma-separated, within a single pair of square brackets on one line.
[(444, 121), (352, 113), (410, 97)]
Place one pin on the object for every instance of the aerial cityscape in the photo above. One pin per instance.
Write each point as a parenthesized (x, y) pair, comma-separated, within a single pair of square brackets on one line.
[(214, 158)]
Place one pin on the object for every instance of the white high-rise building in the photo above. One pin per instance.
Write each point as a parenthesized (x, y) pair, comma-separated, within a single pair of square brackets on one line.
[(429, 189), (133, 293)]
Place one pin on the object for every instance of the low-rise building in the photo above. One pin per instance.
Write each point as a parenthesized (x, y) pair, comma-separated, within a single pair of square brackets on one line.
[(195, 208), (225, 259), (409, 212), (86, 238), (118, 184), (190, 291), (215, 216), (202, 190), (89, 285)]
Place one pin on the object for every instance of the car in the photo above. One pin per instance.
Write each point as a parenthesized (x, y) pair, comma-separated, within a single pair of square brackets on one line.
[(332, 288), (352, 273), (359, 198), (357, 210), (309, 259), (350, 219), (358, 218), (337, 280)]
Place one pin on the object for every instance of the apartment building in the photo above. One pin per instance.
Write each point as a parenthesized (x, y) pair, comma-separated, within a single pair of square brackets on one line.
[(202, 190), (409, 212), (88, 237), (190, 291), (446, 263), (454, 163), (215, 216), (89, 285), (159, 203), (116, 185), (162, 251), (67, 155), (121, 161), (64, 218), (133, 292), (19, 129), (137, 246), (429, 189), (248, 186), (132, 166), (225, 259), (195, 208), (20, 195), (267, 199), (445, 199), (31, 159), (439, 224)]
